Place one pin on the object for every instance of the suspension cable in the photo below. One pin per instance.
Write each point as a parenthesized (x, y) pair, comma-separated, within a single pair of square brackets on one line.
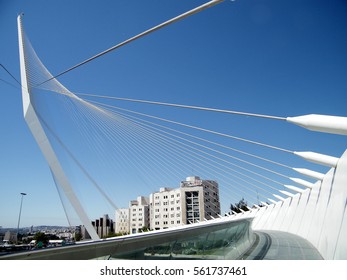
[(148, 31), (184, 106)]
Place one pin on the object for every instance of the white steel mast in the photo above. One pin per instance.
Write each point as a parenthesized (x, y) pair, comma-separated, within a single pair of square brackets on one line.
[(40, 136)]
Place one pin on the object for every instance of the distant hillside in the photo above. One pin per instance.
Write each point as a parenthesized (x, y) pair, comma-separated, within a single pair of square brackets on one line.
[(36, 228)]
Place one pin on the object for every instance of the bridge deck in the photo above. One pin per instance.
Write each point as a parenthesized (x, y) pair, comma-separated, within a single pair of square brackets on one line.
[(277, 245)]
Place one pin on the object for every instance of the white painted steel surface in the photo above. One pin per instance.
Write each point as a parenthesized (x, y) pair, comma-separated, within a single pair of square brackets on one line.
[(302, 182), (39, 134), (318, 158), (321, 123), (318, 214), (310, 173)]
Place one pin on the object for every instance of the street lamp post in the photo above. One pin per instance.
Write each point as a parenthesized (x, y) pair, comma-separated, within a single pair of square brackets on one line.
[(20, 212)]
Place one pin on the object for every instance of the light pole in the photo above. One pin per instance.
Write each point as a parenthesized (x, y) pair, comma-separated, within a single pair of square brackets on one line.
[(20, 212)]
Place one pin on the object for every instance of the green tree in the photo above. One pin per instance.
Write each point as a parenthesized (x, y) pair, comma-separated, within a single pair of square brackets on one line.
[(78, 236), (241, 205), (41, 237), (144, 229)]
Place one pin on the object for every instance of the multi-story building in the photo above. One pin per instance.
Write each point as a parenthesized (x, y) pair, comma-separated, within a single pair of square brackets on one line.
[(122, 220), (103, 226), (165, 208), (200, 200), (195, 200), (138, 214)]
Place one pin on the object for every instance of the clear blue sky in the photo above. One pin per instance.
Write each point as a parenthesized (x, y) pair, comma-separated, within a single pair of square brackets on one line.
[(282, 58)]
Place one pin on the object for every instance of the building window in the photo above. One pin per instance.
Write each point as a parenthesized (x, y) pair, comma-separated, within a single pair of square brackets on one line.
[(192, 207)]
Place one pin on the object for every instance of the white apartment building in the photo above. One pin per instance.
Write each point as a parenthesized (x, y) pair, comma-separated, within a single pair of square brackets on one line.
[(195, 200), (165, 208), (138, 214), (122, 220)]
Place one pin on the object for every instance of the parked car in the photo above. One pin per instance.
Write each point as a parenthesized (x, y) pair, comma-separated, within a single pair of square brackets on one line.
[(6, 245)]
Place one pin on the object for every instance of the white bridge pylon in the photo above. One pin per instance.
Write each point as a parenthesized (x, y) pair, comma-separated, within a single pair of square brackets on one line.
[(35, 125), (40, 136)]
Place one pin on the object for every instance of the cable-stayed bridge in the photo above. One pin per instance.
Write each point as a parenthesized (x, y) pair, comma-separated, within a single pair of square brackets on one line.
[(93, 144)]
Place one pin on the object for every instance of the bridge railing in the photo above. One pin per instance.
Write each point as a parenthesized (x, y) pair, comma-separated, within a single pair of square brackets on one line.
[(224, 238)]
